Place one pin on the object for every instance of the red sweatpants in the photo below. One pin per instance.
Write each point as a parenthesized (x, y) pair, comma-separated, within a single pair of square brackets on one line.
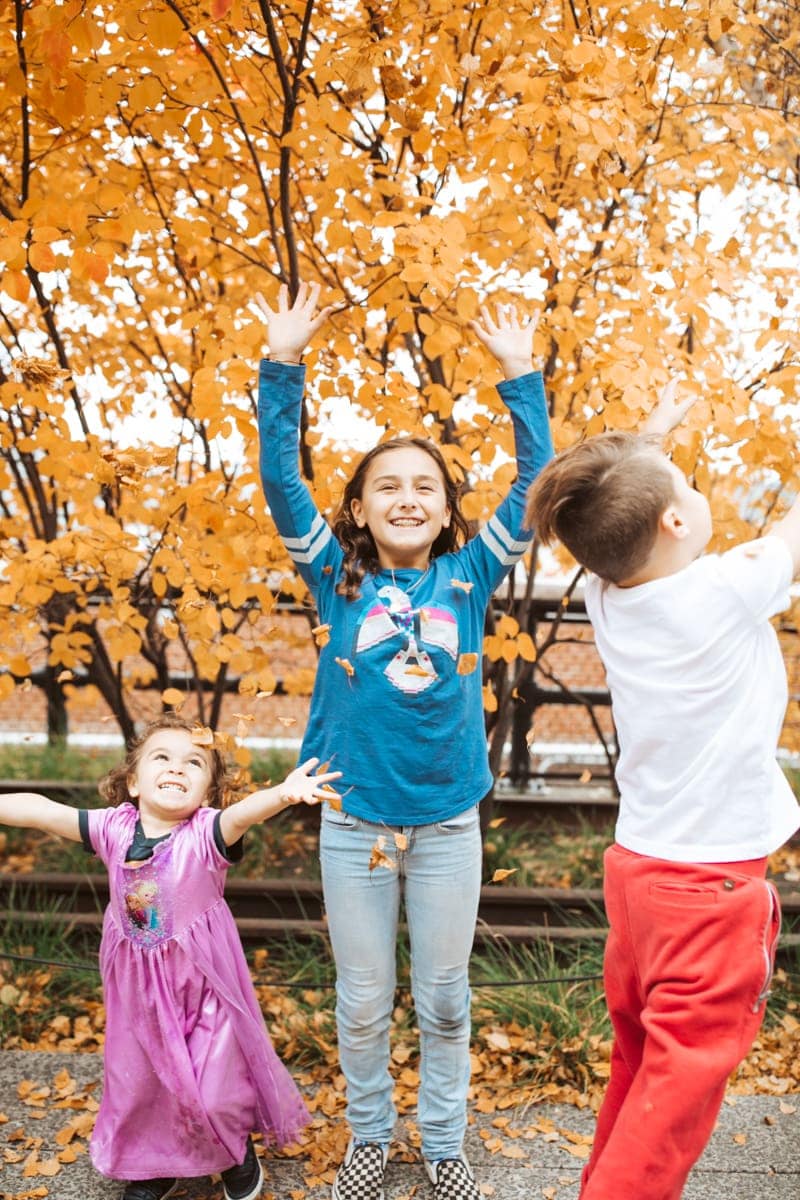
[(688, 963)]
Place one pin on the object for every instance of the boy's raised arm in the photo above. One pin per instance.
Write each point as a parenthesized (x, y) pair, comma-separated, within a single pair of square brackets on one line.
[(667, 412), (788, 529)]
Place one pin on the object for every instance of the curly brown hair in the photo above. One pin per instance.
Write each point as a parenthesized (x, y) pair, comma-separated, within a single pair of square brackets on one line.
[(113, 787), (360, 551)]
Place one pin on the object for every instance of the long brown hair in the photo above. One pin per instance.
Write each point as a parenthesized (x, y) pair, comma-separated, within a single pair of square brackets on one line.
[(360, 551), (113, 787)]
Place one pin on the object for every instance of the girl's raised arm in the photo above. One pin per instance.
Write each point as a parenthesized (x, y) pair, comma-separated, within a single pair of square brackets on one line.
[(291, 328), (29, 810), (305, 533), (299, 787)]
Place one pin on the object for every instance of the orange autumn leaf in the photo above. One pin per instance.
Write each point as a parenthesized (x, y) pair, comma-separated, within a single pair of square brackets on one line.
[(502, 873), (332, 797), (346, 666), (321, 634), (173, 697), (400, 840), (287, 722), (378, 857), (466, 663), (202, 735), (464, 585)]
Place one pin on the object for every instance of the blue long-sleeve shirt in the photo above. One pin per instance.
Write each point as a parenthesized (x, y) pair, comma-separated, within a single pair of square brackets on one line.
[(405, 726)]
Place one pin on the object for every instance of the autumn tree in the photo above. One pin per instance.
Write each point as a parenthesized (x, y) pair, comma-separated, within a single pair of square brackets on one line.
[(628, 168)]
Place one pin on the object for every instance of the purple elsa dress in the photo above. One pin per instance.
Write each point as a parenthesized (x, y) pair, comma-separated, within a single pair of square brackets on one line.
[(189, 1070)]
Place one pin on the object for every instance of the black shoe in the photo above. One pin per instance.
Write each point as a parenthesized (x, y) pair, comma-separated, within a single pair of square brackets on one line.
[(245, 1181), (149, 1189)]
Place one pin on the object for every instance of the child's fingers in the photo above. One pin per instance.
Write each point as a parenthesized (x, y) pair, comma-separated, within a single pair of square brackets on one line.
[(260, 307), (667, 393), (306, 767), (326, 778)]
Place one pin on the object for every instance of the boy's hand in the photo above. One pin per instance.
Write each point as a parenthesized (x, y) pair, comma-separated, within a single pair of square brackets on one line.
[(290, 329), (668, 412), (301, 787), (508, 338)]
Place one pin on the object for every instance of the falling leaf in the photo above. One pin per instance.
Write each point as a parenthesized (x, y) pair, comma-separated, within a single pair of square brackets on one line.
[(202, 735), (502, 873), (414, 669), (36, 371), (332, 796), (377, 857), (321, 634), (466, 664), (346, 666), (401, 841), (63, 676), (287, 721), (497, 822), (263, 695), (173, 697), (464, 585), (585, 776), (327, 570)]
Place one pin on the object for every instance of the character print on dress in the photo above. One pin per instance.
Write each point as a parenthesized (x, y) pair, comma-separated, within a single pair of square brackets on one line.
[(411, 668), (147, 919)]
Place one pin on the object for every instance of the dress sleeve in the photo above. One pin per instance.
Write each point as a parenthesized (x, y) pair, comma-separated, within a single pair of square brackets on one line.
[(101, 829), (235, 852), (504, 538), (303, 530), (760, 572)]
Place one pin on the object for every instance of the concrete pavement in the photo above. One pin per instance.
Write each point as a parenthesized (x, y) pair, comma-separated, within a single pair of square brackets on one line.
[(522, 1154)]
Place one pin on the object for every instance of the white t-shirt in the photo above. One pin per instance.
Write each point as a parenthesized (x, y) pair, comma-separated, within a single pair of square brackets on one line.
[(698, 691)]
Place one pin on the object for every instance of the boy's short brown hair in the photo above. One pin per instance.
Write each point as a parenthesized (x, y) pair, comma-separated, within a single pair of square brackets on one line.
[(603, 498)]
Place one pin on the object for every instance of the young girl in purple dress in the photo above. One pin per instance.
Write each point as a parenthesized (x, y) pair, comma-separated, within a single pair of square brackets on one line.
[(189, 1070)]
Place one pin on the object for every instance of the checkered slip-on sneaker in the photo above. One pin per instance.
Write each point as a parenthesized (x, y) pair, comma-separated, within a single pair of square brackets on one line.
[(452, 1179), (360, 1177)]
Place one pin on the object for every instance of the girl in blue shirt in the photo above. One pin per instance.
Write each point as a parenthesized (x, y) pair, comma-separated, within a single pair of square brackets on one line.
[(402, 594)]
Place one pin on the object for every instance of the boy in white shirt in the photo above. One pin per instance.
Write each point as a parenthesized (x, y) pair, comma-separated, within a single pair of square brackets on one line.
[(698, 691)]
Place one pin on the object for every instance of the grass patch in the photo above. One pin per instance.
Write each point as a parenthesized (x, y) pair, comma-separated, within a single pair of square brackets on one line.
[(547, 855), (44, 1006)]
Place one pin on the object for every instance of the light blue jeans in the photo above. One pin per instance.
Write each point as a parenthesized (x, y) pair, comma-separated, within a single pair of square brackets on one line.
[(439, 875)]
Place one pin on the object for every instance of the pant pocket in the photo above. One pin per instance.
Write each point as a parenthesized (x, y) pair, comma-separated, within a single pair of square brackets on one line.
[(769, 944)]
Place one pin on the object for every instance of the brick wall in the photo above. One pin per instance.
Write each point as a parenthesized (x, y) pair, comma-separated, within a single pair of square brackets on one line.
[(286, 640)]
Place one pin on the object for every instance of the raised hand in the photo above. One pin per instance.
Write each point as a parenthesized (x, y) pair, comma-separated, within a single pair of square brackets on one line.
[(291, 327), (668, 411), (508, 337)]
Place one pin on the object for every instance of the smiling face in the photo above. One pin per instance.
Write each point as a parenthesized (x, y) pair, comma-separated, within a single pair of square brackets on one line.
[(170, 780), (404, 505)]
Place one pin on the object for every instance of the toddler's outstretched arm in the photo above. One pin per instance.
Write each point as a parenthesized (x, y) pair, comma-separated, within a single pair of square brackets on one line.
[(29, 810), (299, 787)]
